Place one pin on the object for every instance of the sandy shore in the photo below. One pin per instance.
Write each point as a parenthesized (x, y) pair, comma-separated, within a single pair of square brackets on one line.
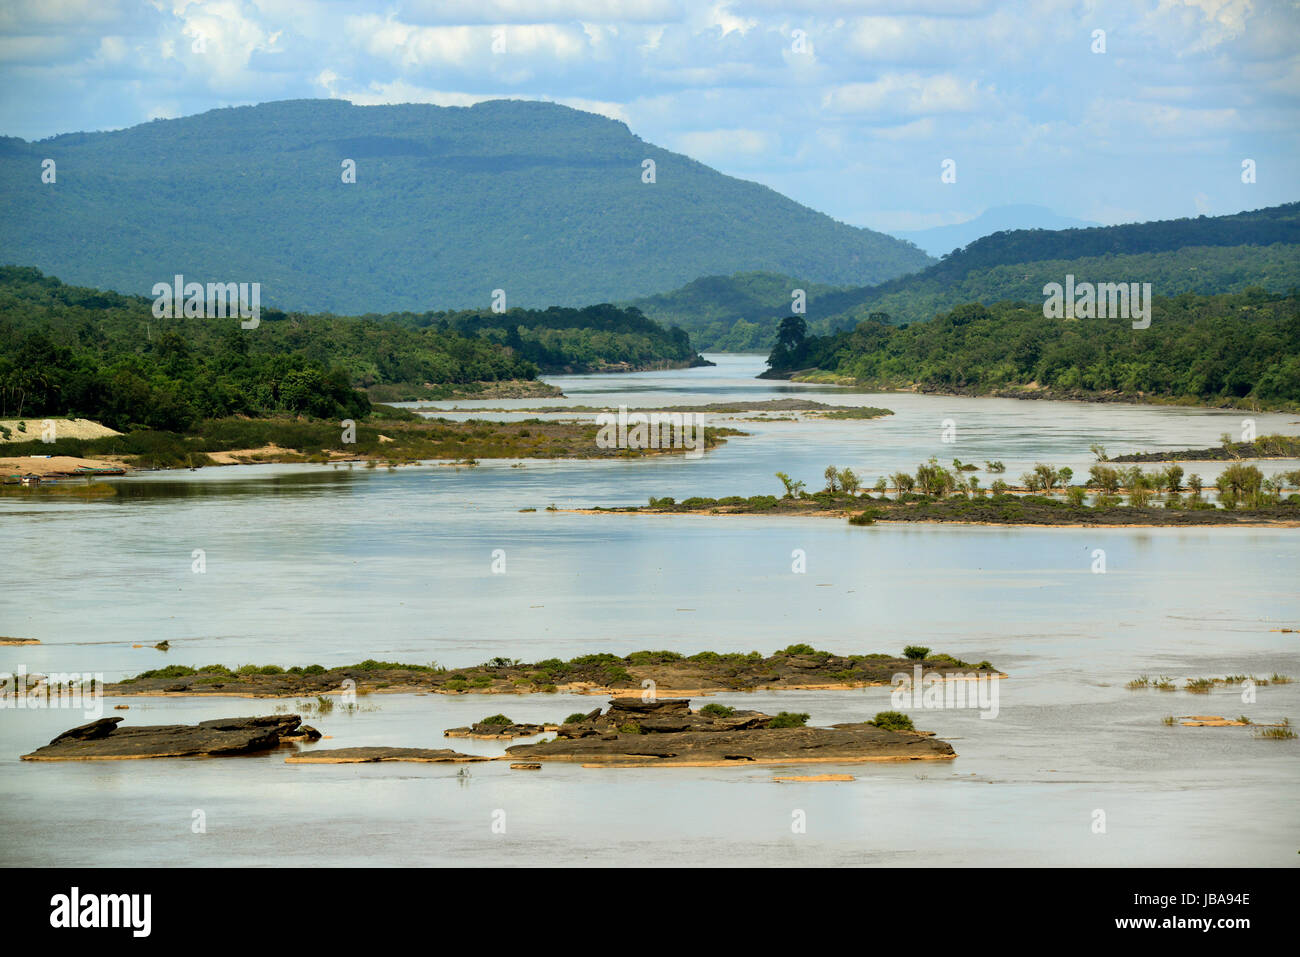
[(45, 465)]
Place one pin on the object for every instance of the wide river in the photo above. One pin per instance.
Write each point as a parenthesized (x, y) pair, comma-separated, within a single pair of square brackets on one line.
[(315, 564)]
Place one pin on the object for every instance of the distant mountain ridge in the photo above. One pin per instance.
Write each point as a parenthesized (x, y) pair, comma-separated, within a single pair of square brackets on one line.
[(1205, 255), (448, 204), (939, 240)]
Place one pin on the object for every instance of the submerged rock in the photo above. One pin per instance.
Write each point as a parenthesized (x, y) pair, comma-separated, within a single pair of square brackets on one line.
[(104, 740), (369, 755)]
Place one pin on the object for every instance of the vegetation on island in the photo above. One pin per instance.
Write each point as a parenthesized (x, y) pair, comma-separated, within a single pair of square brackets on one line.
[(1265, 447), (796, 666), (390, 436), (1045, 495)]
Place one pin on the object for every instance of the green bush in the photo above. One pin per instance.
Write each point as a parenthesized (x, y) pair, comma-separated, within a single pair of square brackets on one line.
[(893, 721), (496, 720), (171, 671), (575, 718), (916, 652), (799, 649), (717, 711), (789, 719)]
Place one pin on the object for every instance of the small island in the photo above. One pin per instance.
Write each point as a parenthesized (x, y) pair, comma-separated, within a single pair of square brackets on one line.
[(103, 740), (935, 493), (797, 667), (665, 732)]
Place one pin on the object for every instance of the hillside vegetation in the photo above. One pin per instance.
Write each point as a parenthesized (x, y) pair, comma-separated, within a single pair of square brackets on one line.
[(1207, 255), (1238, 349), (68, 350), (449, 203)]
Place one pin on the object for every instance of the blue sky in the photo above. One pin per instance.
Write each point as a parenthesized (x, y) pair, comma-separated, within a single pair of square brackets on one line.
[(849, 106)]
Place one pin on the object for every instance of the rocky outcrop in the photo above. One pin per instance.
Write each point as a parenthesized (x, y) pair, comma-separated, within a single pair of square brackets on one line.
[(488, 732), (104, 740), (668, 732)]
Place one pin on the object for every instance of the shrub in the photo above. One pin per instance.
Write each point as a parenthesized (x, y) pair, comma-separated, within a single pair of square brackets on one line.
[(171, 671), (717, 711), (630, 728), (574, 718), (457, 684), (865, 517), (789, 719), (799, 649), (916, 652), (893, 721), (496, 721)]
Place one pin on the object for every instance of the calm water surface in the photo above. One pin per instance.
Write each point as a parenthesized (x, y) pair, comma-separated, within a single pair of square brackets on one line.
[(310, 564)]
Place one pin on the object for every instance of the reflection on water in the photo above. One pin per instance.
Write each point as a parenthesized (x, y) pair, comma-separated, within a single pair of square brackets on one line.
[(312, 564)]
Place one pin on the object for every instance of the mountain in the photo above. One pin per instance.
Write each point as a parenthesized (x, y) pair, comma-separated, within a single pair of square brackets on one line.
[(448, 204), (939, 240), (736, 313), (1205, 254)]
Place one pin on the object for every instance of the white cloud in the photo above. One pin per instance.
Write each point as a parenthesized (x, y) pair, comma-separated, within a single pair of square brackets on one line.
[(908, 95), (710, 145)]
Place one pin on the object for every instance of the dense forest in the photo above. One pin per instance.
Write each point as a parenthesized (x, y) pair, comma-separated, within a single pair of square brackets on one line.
[(101, 355), (1238, 349), (564, 340), (448, 204), (1200, 269), (66, 350)]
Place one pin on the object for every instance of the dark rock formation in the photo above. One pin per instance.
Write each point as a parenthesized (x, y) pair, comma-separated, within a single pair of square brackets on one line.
[(493, 731), (104, 740), (667, 732)]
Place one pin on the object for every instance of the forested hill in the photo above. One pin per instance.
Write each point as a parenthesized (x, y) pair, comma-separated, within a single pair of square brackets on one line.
[(68, 350), (1239, 350), (740, 313), (566, 340), (1205, 255), (545, 202)]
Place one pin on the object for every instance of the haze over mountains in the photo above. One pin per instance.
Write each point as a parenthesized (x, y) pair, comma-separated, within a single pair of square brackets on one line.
[(449, 203), (940, 240)]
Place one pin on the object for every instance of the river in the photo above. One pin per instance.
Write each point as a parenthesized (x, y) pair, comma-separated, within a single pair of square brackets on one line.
[(308, 564)]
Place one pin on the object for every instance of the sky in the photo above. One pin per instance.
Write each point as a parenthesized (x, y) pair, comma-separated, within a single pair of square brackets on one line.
[(853, 107)]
